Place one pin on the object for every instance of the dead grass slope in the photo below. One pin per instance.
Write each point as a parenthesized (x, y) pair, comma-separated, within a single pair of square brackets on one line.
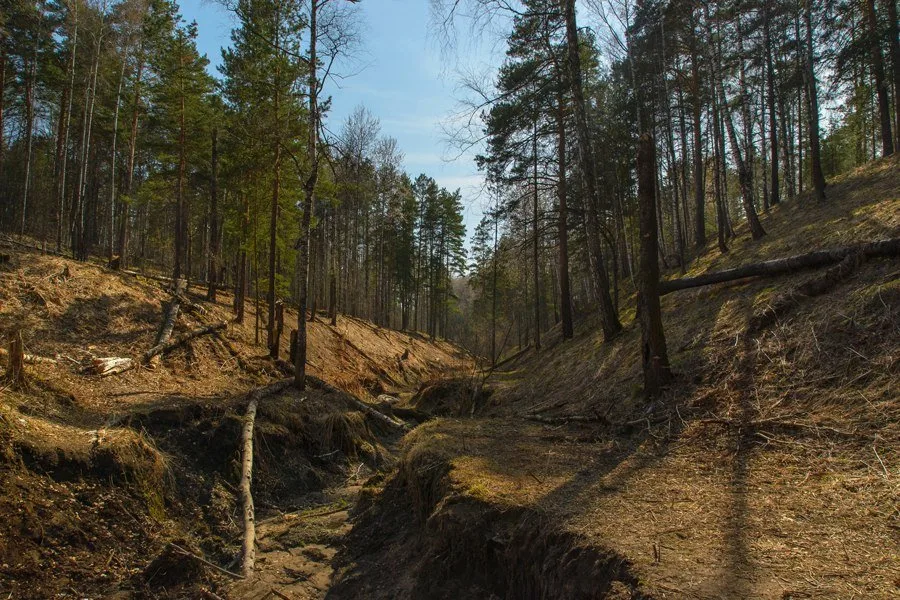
[(770, 470), (99, 475)]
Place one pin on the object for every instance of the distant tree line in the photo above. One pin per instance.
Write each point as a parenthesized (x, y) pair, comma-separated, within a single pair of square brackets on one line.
[(116, 142)]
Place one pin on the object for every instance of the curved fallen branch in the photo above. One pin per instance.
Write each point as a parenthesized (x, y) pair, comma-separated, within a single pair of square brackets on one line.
[(783, 266), (114, 365)]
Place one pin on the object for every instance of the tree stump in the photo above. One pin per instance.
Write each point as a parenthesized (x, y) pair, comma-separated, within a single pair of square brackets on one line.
[(15, 366)]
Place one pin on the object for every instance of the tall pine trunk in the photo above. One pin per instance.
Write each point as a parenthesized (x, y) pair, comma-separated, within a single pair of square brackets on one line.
[(608, 317), (309, 191), (565, 292), (654, 356), (881, 83), (894, 50), (124, 223), (214, 249), (775, 193), (180, 216), (112, 167), (62, 138), (29, 134), (812, 110), (536, 242)]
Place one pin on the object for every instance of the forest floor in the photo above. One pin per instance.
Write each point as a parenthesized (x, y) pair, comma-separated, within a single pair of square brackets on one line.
[(770, 469)]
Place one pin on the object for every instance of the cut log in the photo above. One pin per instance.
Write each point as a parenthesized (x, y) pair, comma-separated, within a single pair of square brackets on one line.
[(30, 359), (783, 266), (104, 367), (248, 551)]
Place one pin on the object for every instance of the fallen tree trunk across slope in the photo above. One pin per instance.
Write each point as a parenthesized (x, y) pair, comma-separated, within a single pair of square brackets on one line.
[(168, 326), (783, 266)]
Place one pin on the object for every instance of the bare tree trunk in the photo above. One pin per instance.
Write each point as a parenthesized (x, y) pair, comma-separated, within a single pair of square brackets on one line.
[(248, 548), (214, 247), (565, 292), (112, 169), (721, 225), (132, 149), (29, 134), (654, 357), (62, 147), (536, 244), (276, 189), (309, 191), (894, 50), (180, 215), (608, 317), (812, 110), (756, 228), (881, 84), (775, 194), (3, 62)]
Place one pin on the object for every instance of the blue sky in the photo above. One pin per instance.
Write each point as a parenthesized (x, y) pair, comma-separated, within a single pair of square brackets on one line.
[(398, 75)]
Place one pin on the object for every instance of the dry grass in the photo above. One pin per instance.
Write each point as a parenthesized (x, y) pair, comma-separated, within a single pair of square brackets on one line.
[(777, 474)]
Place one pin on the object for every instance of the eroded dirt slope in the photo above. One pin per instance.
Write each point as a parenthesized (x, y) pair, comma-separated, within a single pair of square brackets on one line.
[(107, 484)]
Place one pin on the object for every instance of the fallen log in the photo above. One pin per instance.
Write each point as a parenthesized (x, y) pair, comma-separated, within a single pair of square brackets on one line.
[(783, 266), (31, 359), (509, 359), (248, 549), (183, 338), (358, 404), (168, 326), (113, 365)]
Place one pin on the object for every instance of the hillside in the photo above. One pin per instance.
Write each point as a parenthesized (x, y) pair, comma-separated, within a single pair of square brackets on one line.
[(769, 469), (100, 475)]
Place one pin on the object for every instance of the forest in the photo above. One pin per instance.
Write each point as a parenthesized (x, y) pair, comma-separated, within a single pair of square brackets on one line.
[(117, 142), (679, 292)]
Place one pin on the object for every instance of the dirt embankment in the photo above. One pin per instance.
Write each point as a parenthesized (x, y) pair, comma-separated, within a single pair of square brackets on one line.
[(113, 487)]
